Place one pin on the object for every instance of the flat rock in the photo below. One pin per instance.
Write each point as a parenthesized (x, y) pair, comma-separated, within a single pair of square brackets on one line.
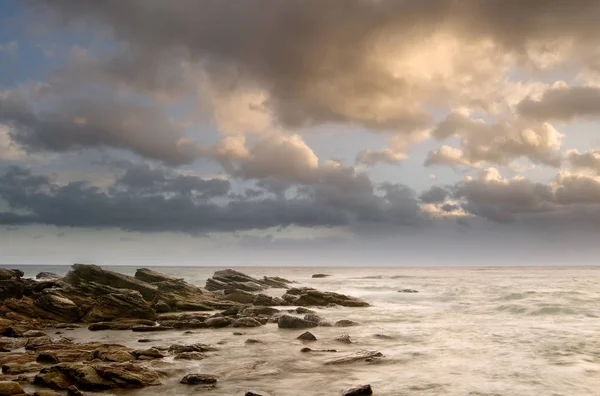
[(356, 357), (190, 356), (408, 291), (320, 276), (346, 323), (293, 322), (307, 296)]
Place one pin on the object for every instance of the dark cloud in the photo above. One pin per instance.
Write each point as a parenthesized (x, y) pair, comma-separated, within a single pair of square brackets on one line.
[(434, 195), (563, 104)]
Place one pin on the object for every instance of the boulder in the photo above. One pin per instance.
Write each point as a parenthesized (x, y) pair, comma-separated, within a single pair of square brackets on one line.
[(60, 307), (307, 336), (9, 388), (218, 322), (7, 274), (151, 353), (240, 296), (120, 305), (307, 296), (47, 275), (320, 275), (47, 358), (344, 338), (252, 341), (246, 322), (361, 390), (190, 356), (258, 310), (263, 299), (346, 323), (177, 349), (195, 379), (293, 322), (127, 375)]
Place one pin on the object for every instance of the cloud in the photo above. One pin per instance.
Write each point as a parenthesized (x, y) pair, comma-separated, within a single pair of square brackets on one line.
[(587, 161), (563, 103), (396, 153), (495, 143)]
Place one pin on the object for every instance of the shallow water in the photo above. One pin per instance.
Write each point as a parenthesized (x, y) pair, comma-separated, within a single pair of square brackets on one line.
[(469, 331)]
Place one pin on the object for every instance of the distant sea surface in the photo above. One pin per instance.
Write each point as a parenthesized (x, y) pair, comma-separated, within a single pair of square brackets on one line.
[(477, 331)]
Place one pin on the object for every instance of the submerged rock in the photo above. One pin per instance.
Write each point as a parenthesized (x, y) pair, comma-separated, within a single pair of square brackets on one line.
[(306, 350), (293, 322), (320, 275), (190, 356), (307, 336), (195, 379), (408, 291), (361, 390), (356, 357), (346, 323)]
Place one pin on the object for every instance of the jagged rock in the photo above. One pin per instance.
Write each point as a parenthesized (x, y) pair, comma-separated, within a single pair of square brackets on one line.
[(161, 307), (47, 275), (35, 342), (307, 296), (128, 375), (358, 356), (258, 310), (9, 388), (82, 273), (263, 299), (275, 282), (344, 338), (61, 308), (124, 304), (293, 322), (361, 390), (195, 379), (320, 275), (7, 274), (307, 336), (113, 353), (150, 276), (190, 356), (126, 324), (346, 323)]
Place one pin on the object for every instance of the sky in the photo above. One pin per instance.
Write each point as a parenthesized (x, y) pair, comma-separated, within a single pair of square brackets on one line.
[(300, 132)]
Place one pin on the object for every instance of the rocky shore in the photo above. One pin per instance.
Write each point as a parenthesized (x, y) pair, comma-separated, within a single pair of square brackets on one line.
[(89, 296)]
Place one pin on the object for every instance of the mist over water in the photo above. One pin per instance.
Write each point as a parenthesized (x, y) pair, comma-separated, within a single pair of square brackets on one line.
[(510, 331)]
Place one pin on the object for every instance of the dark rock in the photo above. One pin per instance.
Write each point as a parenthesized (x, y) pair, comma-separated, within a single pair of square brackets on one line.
[(150, 276), (293, 322), (237, 333), (177, 349), (346, 323), (47, 275), (151, 353), (61, 307), (307, 336), (47, 358), (195, 379), (275, 282), (307, 296), (240, 296), (16, 368), (34, 333), (306, 350), (383, 336), (74, 391), (151, 328), (120, 305), (408, 291), (263, 299), (9, 388), (259, 310), (314, 318), (250, 393), (218, 322), (6, 274), (361, 390), (145, 340), (246, 322), (252, 341), (127, 375), (320, 275), (126, 324), (161, 307)]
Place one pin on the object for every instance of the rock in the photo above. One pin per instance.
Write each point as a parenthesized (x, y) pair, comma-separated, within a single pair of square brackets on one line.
[(246, 322), (356, 357), (51, 379), (250, 393), (9, 388), (307, 296), (161, 307), (408, 291), (190, 356), (47, 275), (151, 353), (145, 340), (83, 273), (6, 274), (127, 324), (151, 328), (120, 305), (306, 350), (237, 333), (361, 390), (127, 375), (293, 322), (263, 299), (240, 296), (302, 310), (47, 358), (344, 338), (314, 318), (276, 282), (252, 341), (346, 323), (320, 275), (383, 336), (11, 288), (218, 322), (191, 348), (10, 343), (35, 342), (74, 391), (113, 353), (258, 310), (307, 336), (149, 276), (34, 333), (16, 369), (47, 393), (195, 379)]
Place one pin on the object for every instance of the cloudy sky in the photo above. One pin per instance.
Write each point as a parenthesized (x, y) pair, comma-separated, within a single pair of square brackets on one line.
[(359, 132)]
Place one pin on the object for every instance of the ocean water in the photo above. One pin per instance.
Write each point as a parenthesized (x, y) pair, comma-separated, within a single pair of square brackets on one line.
[(480, 331)]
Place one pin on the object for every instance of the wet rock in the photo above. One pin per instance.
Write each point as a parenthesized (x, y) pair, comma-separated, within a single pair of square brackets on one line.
[(356, 357), (383, 336), (240, 296), (151, 353), (237, 333), (195, 379), (314, 318), (246, 322), (259, 310), (320, 275), (123, 304), (177, 349), (151, 328), (408, 291), (293, 322), (344, 338), (113, 353), (47, 275), (250, 393), (306, 350), (361, 390), (252, 341), (346, 323), (9, 388), (307, 296), (16, 369), (34, 333), (150, 276), (145, 340), (218, 322), (263, 299), (47, 358), (74, 391), (128, 375), (307, 336), (190, 356), (184, 324), (120, 324), (161, 307), (10, 343), (51, 379), (83, 273), (35, 342)]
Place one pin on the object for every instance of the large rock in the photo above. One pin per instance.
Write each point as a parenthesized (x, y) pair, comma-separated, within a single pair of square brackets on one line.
[(195, 379), (361, 390), (7, 274), (150, 276), (83, 273), (293, 322), (47, 275), (120, 305), (61, 307), (9, 388), (307, 296)]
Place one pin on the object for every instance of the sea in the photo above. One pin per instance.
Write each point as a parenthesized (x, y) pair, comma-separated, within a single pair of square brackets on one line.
[(477, 331)]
